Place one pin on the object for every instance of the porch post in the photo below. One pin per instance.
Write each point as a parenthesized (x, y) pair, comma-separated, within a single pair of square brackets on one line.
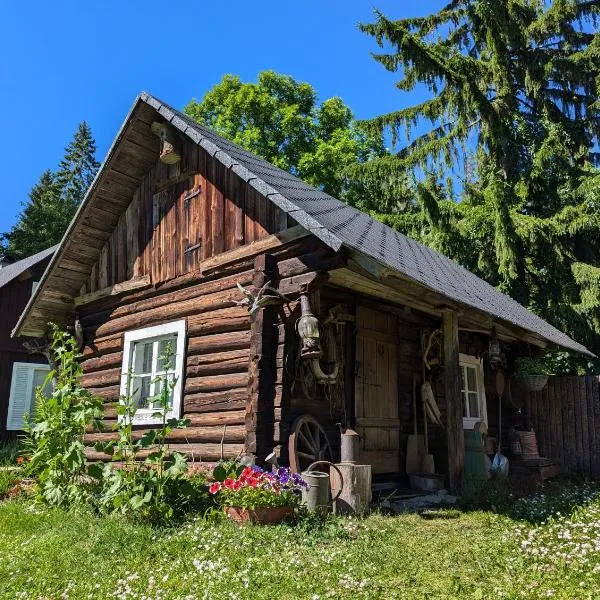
[(454, 404)]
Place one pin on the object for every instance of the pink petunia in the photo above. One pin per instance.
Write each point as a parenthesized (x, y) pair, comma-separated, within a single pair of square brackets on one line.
[(228, 483), (215, 487)]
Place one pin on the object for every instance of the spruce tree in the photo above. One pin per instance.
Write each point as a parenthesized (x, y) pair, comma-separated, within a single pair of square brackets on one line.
[(514, 117), (53, 200), (78, 168)]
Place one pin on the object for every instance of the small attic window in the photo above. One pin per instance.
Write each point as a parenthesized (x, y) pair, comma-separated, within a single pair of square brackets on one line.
[(143, 367)]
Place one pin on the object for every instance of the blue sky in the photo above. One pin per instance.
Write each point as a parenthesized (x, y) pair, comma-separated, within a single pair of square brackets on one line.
[(63, 62)]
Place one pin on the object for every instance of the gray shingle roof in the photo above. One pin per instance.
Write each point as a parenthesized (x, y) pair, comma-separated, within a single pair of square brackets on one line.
[(338, 224), (9, 272)]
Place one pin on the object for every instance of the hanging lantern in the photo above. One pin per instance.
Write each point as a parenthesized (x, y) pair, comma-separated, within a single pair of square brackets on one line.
[(307, 327), (495, 350)]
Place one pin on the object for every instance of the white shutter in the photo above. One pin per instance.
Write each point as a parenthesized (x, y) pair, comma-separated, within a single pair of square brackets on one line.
[(20, 395)]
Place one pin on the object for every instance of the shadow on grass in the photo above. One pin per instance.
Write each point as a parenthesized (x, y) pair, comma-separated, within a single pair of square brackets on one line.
[(562, 496)]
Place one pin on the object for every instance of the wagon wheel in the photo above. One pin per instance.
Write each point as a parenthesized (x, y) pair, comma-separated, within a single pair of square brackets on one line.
[(307, 443)]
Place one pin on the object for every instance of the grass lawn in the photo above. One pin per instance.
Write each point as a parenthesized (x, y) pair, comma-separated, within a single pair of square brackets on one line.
[(52, 554)]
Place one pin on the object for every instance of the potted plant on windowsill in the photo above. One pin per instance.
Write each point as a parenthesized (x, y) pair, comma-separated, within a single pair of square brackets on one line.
[(533, 372), (254, 495)]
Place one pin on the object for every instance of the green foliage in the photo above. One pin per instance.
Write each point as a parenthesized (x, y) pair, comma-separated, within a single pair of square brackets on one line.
[(154, 488), (529, 365), (514, 118), (54, 199), (9, 451), (54, 440), (281, 120), (546, 549)]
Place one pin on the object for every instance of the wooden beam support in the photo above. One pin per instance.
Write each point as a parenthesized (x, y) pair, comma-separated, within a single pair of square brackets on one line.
[(262, 366), (454, 403), (119, 288)]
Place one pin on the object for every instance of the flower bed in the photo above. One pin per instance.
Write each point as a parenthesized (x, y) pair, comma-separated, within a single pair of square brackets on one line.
[(252, 494)]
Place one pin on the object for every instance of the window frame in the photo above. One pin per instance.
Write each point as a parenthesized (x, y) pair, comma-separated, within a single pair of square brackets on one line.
[(31, 368), (144, 416), (467, 360)]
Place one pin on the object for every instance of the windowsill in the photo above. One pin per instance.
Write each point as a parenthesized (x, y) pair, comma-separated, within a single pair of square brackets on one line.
[(470, 423), (149, 418)]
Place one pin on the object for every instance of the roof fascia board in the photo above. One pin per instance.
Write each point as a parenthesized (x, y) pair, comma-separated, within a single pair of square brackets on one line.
[(74, 222)]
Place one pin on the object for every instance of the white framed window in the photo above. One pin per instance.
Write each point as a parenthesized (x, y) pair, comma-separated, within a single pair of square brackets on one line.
[(142, 354), (473, 390), (26, 378)]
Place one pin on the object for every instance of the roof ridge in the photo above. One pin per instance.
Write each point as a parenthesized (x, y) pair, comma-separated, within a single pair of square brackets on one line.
[(425, 265), (13, 270)]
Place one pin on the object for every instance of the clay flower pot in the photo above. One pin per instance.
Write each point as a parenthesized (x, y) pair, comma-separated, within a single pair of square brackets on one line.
[(260, 516)]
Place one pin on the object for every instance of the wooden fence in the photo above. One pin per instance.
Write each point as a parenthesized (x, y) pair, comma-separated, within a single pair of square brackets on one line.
[(566, 419)]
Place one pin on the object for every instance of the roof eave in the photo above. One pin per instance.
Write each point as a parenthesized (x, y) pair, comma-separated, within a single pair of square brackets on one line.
[(20, 327)]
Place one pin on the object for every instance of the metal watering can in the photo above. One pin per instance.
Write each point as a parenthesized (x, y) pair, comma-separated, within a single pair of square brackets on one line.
[(316, 497)]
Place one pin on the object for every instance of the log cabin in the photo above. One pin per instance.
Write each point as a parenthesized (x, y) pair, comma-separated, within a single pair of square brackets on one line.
[(290, 311), (21, 368)]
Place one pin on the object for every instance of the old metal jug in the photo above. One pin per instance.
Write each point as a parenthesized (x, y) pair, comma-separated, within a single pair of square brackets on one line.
[(349, 445)]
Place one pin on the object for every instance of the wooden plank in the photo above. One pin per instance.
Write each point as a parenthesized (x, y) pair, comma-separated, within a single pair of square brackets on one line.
[(252, 249), (593, 442), (585, 439), (454, 407), (571, 434), (558, 426), (217, 209), (114, 290), (595, 383), (206, 218), (218, 342), (198, 452), (577, 423), (205, 433), (222, 401)]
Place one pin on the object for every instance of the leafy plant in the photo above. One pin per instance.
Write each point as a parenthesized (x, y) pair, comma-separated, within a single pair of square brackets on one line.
[(144, 488), (254, 488), (528, 365), (54, 439)]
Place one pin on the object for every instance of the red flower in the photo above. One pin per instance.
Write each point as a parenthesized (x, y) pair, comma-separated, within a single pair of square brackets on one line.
[(253, 482), (228, 483), (237, 485), (247, 472), (20, 460), (215, 487)]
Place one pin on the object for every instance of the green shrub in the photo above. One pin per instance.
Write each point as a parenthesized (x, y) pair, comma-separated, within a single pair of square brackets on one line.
[(54, 440), (151, 489)]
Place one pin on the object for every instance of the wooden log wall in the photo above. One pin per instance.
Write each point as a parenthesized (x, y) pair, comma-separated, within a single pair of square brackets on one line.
[(180, 215), (233, 382), (566, 418), (216, 366)]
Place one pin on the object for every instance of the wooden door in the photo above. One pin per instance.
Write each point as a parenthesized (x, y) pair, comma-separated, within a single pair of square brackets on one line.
[(376, 390)]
